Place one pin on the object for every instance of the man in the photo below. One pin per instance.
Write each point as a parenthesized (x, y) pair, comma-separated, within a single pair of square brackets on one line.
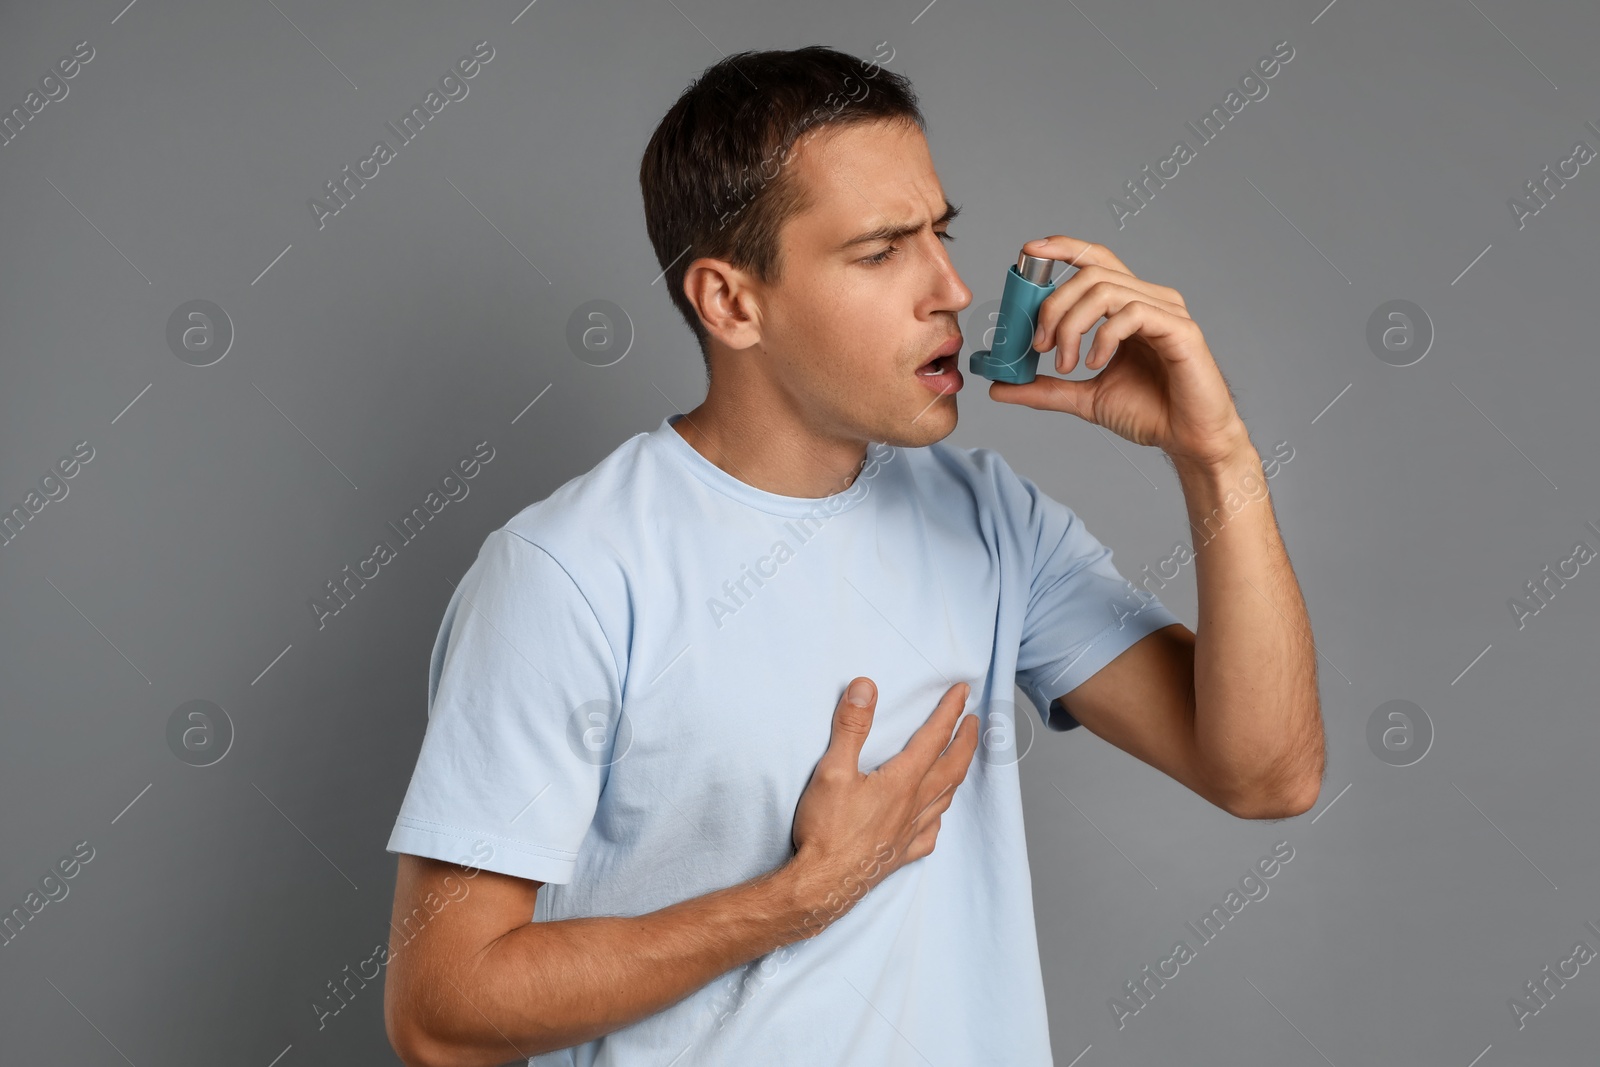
[(693, 712)]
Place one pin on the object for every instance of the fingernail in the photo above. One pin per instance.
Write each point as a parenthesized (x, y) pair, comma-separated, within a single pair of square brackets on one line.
[(860, 693)]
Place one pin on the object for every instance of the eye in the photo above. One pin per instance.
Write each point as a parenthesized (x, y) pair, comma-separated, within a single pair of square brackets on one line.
[(894, 250)]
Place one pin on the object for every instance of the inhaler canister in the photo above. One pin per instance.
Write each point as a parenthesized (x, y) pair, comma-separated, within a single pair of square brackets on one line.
[(1013, 359)]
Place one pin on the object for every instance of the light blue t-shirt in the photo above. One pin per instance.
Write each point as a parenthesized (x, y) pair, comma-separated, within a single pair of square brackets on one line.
[(632, 685)]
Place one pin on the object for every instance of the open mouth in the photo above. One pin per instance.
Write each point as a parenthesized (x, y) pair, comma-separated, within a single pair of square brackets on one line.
[(942, 374)]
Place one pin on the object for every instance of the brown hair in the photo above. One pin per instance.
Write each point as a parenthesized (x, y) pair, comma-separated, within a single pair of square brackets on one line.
[(734, 128)]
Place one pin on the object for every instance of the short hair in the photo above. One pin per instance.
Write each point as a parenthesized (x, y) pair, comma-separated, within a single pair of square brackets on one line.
[(734, 127)]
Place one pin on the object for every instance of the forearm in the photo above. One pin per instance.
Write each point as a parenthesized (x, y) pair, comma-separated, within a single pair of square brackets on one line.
[(551, 985), (1257, 717)]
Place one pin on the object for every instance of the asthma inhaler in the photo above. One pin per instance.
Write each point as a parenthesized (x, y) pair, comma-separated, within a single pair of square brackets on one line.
[(1013, 358)]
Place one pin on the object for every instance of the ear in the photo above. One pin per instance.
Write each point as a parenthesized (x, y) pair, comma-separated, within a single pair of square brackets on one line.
[(726, 300)]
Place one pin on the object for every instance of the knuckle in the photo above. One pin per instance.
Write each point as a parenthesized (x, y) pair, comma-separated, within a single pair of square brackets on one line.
[(833, 774), (854, 720)]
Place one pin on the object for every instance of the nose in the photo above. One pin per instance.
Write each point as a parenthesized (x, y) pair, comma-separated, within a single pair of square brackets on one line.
[(950, 292)]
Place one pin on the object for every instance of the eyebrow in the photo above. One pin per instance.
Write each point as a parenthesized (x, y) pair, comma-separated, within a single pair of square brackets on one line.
[(894, 232)]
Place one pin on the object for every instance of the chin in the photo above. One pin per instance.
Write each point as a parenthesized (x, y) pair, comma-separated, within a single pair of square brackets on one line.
[(923, 427)]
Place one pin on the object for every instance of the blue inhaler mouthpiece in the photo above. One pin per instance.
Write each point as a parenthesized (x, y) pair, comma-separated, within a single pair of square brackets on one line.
[(1013, 359)]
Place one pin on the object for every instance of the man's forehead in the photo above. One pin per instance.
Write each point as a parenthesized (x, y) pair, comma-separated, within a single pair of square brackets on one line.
[(868, 177)]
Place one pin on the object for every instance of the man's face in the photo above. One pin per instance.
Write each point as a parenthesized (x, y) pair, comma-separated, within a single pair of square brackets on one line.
[(851, 321)]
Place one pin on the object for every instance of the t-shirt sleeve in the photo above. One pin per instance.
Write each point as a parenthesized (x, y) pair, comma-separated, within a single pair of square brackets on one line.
[(524, 693), (1082, 613)]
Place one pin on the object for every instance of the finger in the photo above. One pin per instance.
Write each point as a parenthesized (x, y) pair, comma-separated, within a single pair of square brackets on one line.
[(939, 787), (932, 736), (950, 769), (1098, 273), (933, 807), (1077, 253), (1100, 300), (1050, 394), (1074, 289), (851, 723), (1147, 320), (924, 842)]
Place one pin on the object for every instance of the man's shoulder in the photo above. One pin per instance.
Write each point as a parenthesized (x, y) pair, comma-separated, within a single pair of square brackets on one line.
[(591, 509), (1011, 500), (980, 467)]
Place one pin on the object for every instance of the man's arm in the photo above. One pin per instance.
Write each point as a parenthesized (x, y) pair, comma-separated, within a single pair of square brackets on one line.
[(1232, 711), (479, 984), (1247, 732), (482, 985)]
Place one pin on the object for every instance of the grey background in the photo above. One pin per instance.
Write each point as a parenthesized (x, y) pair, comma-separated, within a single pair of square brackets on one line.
[(426, 317)]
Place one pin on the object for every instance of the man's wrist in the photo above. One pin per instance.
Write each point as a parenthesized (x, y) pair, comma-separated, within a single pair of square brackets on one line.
[(799, 886), (1231, 454), (819, 892)]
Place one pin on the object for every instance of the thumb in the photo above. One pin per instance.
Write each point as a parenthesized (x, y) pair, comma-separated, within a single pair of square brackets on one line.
[(852, 719), (1050, 394)]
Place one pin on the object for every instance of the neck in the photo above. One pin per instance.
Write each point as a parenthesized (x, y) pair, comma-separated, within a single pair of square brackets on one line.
[(771, 446)]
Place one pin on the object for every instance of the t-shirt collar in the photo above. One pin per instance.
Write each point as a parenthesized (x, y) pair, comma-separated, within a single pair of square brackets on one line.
[(686, 455)]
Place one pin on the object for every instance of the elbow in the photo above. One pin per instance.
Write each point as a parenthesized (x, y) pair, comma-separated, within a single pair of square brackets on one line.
[(410, 1047), (1297, 803), (415, 1046), (1278, 803), (1306, 799), (407, 1051), (397, 1019), (412, 1044), (1290, 786)]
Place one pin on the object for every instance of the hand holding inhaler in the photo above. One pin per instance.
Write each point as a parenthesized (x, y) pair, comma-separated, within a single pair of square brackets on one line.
[(1158, 383)]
